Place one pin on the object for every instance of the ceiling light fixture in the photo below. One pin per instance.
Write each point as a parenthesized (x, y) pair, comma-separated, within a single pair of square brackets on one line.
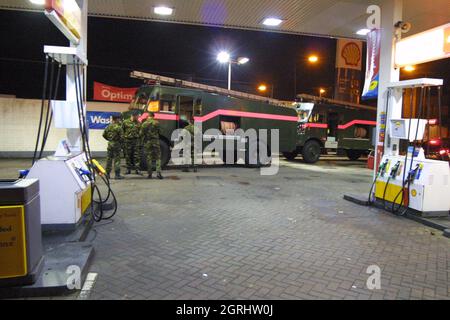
[(163, 11), (272, 22)]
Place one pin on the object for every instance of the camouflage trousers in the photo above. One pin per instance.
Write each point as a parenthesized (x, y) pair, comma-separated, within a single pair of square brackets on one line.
[(153, 153), (114, 150), (132, 150)]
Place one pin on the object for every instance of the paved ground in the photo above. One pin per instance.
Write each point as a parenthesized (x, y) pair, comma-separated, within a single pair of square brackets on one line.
[(229, 233)]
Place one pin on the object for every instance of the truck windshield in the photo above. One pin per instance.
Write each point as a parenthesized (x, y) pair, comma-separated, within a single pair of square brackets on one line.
[(139, 102), (304, 111)]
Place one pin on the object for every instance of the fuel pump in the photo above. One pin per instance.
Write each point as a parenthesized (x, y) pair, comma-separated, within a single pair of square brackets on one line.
[(414, 182)]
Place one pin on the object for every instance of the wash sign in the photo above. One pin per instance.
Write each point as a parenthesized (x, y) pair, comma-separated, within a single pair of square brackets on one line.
[(100, 120)]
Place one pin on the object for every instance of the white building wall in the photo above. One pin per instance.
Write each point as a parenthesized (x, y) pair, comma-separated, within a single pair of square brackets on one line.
[(19, 120)]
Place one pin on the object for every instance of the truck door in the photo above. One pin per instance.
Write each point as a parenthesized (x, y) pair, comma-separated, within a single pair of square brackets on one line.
[(185, 110), (333, 132)]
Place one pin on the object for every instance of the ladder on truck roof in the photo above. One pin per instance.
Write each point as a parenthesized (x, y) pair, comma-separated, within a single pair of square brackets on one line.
[(308, 97), (207, 88)]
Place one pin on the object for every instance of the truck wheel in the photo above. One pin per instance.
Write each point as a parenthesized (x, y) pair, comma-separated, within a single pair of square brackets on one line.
[(224, 156), (165, 153), (311, 151), (165, 156), (354, 154), (260, 162), (290, 155)]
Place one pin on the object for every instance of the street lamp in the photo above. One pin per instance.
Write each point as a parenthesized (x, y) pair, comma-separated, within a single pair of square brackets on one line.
[(263, 88), (322, 91), (225, 57), (313, 59)]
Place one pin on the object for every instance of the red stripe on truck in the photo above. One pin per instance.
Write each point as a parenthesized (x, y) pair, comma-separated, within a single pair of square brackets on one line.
[(245, 114)]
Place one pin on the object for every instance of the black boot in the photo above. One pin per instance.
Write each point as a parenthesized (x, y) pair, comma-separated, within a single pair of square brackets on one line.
[(128, 171), (118, 176), (159, 176)]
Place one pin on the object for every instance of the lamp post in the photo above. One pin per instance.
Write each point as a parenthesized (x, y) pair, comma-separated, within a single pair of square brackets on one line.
[(311, 59), (224, 57)]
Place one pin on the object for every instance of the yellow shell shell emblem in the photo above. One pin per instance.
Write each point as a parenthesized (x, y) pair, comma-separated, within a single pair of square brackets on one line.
[(351, 54), (414, 192), (373, 85)]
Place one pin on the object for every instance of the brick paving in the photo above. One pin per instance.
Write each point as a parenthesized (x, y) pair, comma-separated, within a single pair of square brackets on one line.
[(229, 233)]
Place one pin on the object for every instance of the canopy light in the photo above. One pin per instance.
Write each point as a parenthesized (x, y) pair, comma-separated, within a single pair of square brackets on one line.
[(272, 22), (223, 57), (423, 47), (243, 60), (362, 32), (38, 2), (163, 11), (409, 68)]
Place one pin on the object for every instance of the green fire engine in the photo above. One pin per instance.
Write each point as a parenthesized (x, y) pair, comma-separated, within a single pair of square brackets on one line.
[(174, 102), (308, 128)]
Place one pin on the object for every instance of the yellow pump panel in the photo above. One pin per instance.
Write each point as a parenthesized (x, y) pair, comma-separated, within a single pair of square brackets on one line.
[(13, 254), (391, 192), (86, 199)]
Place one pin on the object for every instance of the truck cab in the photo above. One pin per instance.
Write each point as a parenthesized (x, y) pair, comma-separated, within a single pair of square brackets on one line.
[(333, 127)]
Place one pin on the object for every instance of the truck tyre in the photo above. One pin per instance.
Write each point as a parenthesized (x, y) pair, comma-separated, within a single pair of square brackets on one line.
[(165, 153), (259, 162), (354, 154), (290, 155), (311, 151), (224, 156)]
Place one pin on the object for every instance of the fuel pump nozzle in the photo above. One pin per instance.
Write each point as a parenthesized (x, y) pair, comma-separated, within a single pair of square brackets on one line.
[(395, 169), (382, 167)]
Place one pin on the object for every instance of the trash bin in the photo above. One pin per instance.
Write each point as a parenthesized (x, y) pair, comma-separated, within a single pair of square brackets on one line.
[(371, 160), (21, 256)]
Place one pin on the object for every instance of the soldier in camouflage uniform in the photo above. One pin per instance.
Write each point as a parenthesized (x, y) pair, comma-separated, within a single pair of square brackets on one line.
[(114, 134), (150, 132), (131, 132), (190, 128)]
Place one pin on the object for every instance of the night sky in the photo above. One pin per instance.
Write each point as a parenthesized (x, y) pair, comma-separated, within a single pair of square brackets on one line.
[(117, 46)]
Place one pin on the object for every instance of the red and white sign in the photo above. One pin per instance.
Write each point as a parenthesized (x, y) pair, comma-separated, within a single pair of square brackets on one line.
[(103, 92), (349, 54)]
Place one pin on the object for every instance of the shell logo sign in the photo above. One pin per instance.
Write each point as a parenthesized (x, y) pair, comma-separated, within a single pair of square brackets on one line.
[(349, 54)]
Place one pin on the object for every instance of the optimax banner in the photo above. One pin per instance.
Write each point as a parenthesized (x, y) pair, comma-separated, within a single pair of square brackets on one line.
[(98, 120), (104, 92), (371, 84)]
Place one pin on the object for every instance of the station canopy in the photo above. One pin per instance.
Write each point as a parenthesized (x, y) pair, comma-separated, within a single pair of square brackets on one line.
[(330, 18)]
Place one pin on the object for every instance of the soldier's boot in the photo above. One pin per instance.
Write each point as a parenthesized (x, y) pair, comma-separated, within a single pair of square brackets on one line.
[(159, 176), (108, 174), (118, 176), (128, 171)]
